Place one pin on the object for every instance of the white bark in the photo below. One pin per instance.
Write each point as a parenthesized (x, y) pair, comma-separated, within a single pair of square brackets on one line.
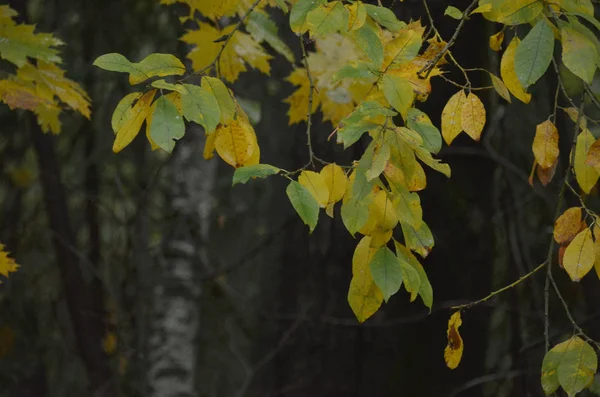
[(175, 318)]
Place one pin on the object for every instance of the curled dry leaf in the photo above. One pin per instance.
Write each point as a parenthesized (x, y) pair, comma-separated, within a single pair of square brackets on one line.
[(454, 349)]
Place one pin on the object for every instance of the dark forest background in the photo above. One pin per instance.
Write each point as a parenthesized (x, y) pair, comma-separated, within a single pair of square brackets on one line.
[(162, 254)]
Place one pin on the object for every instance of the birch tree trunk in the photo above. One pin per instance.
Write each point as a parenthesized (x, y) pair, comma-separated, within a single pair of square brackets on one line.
[(175, 319)]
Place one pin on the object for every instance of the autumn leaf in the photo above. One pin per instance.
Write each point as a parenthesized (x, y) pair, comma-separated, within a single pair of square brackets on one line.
[(586, 176), (580, 255), (472, 116), (132, 121), (7, 264), (593, 156), (454, 349), (336, 182), (304, 203), (567, 225), (316, 185), (545, 144), (496, 41), (579, 54), (508, 73), (235, 142), (452, 117)]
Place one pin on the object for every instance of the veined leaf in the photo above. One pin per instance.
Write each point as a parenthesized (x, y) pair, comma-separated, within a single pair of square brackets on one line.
[(167, 124), (398, 92), (411, 279), (262, 28), (336, 182), (515, 12), (579, 54), (509, 75), (404, 47), (534, 53), (354, 70), (420, 122), (453, 12), (567, 225), (472, 116), (408, 206), (386, 272), (355, 214), (452, 117), (418, 239), (367, 39), (385, 17), (299, 13), (425, 290), (236, 143), (304, 203), (381, 155), (545, 144), (315, 184), (200, 106), (224, 99), (120, 114), (327, 18), (358, 15), (151, 66), (586, 176), (500, 88), (244, 174), (364, 298), (132, 121), (580, 255)]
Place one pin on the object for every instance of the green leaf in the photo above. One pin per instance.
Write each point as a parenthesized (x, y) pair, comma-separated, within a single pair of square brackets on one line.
[(222, 95), (200, 106), (151, 66), (570, 364), (425, 289), (420, 122), (412, 281), (453, 12), (579, 54), (534, 53), (381, 155), (362, 187), (163, 85), (243, 174), (408, 205), (119, 115), (398, 92), (419, 240), (515, 12), (327, 18), (282, 5), (19, 41), (348, 135), (167, 124), (299, 12), (354, 70), (367, 39), (262, 28), (304, 203), (385, 17), (434, 164), (386, 272), (355, 214)]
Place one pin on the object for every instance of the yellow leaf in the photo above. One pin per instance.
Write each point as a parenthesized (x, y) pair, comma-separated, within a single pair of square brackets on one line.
[(580, 255), (509, 75), (597, 248), (209, 146), (593, 156), (316, 185), (567, 225), (216, 9), (454, 349), (298, 101), (496, 41), (362, 258), (234, 143), (452, 117), (586, 176), (500, 87), (364, 297), (7, 264), (133, 120), (358, 15), (545, 144), (473, 116), (574, 116), (336, 181)]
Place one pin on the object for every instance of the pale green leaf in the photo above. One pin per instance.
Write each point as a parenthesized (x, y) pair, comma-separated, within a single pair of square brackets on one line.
[(420, 122), (453, 12), (304, 203), (381, 155), (386, 272), (222, 95), (354, 215), (262, 28), (419, 240), (354, 70), (425, 289), (200, 106), (385, 17), (151, 66), (244, 174), (167, 124), (534, 53), (579, 54), (328, 18), (398, 92), (299, 12), (367, 39)]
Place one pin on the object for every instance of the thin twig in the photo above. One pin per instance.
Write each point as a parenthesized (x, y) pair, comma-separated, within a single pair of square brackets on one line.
[(310, 105)]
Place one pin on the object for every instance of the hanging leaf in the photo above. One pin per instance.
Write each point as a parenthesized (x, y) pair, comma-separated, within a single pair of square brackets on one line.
[(385, 17), (327, 18), (358, 15), (593, 156), (355, 214), (244, 174), (200, 105), (224, 99), (381, 155), (500, 88), (336, 182), (496, 41), (418, 239), (545, 144), (364, 298), (534, 53), (315, 184), (398, 92), (452, 117), (299, 13), (580, 255), (386, 272), (167, 124), (367, 39), (579, 54), (454, 349), (425, 289), (508, 73), (570, 364), (420, 122), (132, 121), (119, 116), (453, 12), (515, 12), (472, 116), (586, 176), (567, 225), (304, 203), (235, 143)]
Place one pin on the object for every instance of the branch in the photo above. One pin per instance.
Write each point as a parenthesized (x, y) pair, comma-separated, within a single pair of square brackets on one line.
[(311, 155)]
